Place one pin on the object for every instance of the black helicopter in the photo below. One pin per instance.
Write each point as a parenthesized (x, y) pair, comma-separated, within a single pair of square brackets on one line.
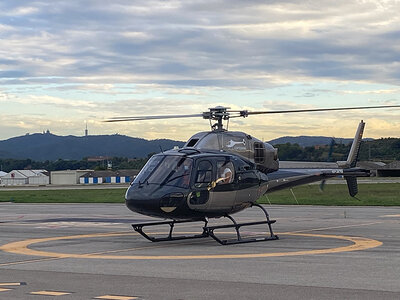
[(220, 172)]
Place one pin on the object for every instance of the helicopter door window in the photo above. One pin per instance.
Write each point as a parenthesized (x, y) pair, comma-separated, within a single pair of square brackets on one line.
[(203, 174), (225, 172)]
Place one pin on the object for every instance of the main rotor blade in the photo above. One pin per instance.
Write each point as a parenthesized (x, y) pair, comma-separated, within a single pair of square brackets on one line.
[(318, 109), (141, 118)]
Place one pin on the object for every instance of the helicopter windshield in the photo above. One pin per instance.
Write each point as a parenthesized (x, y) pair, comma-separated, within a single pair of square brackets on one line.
[(166, 170)]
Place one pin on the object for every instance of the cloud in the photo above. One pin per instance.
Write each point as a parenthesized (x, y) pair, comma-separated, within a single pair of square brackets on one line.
[(387, 91), (87, 59), (221, 44)]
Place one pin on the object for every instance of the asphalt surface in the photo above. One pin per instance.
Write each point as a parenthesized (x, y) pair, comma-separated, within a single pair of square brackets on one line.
[(88, 251)]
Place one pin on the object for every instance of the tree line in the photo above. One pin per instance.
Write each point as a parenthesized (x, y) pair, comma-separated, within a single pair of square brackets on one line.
[(384, 149), (118, 163)]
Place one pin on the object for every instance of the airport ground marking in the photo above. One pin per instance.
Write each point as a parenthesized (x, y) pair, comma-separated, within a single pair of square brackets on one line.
[(21, 247), (114, 297), (28, 261), (50, 293), (12, 283), (333, 227), (390, 216)]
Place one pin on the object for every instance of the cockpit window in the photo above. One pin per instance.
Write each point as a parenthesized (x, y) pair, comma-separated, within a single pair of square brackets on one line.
[(148, 168), (170, 170)]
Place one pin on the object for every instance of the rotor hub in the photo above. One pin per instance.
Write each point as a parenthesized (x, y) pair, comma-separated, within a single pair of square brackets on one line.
[(220, 113)]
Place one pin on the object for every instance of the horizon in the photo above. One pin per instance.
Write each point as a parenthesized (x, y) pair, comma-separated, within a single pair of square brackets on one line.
[(284, 136)]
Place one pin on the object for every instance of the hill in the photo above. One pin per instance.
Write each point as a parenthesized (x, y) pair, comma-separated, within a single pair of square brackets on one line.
[(48, 146)]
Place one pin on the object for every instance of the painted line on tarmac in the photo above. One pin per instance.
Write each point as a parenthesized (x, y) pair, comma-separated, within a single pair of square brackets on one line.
[(21, 247), (50, 293), (12, 283), (390, 216), (114, 297), (5, 286), (27, 261), (333, 227)]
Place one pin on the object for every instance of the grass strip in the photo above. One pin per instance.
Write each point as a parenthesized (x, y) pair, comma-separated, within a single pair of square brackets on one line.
[(374, 194), (64, 196), (381, 194)]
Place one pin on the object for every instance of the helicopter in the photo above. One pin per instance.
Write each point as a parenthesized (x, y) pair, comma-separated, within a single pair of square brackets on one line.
[(218, 173)]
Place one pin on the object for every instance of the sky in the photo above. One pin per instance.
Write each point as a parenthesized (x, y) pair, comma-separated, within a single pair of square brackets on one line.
[(68, 63)]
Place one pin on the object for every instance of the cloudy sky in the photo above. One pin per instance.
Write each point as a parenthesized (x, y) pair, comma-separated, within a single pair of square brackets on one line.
[(66, 62)]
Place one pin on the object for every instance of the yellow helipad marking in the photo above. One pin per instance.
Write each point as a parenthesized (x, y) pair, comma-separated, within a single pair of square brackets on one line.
[(50, 293), (112, 297), (21, 247), (4, 290)]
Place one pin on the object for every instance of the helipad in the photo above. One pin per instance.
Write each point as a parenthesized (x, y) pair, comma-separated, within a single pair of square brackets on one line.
[(25, 248), (91, 252)]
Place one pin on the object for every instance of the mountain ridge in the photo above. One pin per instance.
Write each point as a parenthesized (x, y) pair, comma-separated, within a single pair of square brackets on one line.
[(47, 146)]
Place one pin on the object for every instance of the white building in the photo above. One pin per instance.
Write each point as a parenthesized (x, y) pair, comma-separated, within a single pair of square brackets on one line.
[(67, 177), (20, 177), (1, 175)]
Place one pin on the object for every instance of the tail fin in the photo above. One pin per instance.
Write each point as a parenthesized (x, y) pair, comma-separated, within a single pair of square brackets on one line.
[(352, 160), (354, 150)]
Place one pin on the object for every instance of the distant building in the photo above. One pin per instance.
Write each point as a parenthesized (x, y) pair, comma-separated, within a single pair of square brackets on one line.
[(67, 177), (390, 170), (99, 177), (372, 166), (1, 175), (21, 177), (99, 158)]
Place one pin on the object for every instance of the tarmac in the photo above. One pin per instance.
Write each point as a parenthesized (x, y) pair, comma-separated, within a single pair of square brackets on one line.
[(89, 251)]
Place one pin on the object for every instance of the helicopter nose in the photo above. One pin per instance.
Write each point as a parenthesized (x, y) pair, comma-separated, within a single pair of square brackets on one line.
[(151, 200), (141, 199)]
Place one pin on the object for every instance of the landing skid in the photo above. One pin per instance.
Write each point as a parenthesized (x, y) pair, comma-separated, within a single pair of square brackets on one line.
[(209, 231), (139, 228)]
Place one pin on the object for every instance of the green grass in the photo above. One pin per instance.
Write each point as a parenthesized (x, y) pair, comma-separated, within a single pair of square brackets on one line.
[(382, 194), (64, 196)]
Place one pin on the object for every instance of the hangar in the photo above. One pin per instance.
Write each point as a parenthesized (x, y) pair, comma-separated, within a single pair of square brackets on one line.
[(20, 177), (67, 177)]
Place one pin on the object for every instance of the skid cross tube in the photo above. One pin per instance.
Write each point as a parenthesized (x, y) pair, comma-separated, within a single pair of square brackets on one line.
[(139, 228)]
